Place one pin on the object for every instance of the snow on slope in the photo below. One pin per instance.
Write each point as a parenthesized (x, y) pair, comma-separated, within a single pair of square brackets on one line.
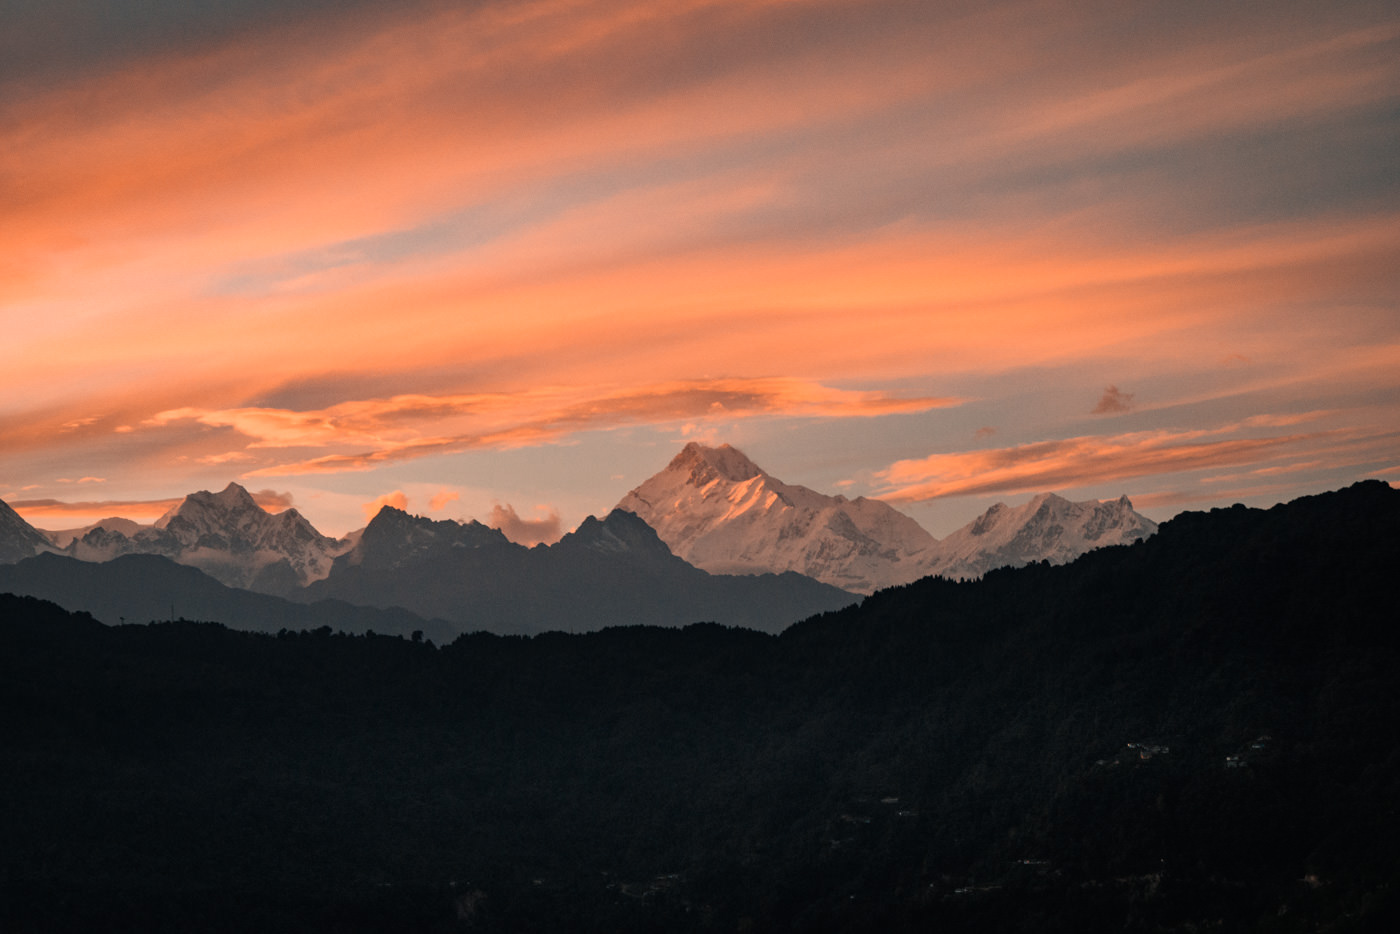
[(1048, 528), (721, 512), (229, 537)]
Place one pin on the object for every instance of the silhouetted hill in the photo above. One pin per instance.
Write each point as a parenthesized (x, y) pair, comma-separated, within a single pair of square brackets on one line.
[(613, 571), (1196, 732), (139, 588)]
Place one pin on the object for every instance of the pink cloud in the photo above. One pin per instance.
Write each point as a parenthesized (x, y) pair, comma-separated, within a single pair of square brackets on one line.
[(408, 427), (1091, 460), (544, 530), (441, 499), (396, 499), (41, 510)]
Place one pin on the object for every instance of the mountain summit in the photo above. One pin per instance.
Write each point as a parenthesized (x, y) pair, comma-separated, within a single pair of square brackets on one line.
[(722, 512), (229, 537), (612, 571), (1048, 528)]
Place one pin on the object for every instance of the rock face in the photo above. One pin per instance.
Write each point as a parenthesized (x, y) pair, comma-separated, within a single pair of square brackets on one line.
[(19, 539), (720, 511), (1048, 528), (229, 537)]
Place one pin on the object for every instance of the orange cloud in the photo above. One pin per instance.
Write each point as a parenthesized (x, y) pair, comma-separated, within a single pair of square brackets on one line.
[(140, 510), (545, 530), (1081, 461), (40, 510), (396, 499), (614, 193), (271, 500), (441, 499), (407, 427)]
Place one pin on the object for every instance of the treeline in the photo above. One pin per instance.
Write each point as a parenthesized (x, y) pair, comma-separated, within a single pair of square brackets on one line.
[(1201, 731)]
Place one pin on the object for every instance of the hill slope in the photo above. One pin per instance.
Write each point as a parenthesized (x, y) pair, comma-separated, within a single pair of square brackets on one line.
[(1194, 732)]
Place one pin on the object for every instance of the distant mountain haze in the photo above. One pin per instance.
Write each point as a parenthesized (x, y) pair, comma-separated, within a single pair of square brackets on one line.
[(610, 571), (226, 534), (140, 588), (712, 507), (722, 512)]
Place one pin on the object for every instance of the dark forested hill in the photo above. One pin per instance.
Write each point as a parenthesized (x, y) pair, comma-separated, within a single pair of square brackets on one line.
[(1197, 732)]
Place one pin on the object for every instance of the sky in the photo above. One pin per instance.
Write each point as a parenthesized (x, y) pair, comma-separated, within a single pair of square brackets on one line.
[(501, 259)]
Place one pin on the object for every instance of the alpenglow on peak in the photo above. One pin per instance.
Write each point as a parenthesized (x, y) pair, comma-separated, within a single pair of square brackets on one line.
[(720, 511)]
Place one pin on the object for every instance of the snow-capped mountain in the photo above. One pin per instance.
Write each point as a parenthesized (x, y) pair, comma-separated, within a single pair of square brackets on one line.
[(722, 512), (18, 539), (1048, 528), (62, 538), (228, 536)]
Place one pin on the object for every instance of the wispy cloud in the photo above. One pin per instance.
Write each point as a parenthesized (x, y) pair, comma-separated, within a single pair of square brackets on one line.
[(408, 427), (1113, 401), (648, 196), (41, 510), (1097, 459)]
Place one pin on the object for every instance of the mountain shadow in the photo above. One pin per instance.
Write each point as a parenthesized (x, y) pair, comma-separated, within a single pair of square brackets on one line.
[(609, 572), (140, 588)]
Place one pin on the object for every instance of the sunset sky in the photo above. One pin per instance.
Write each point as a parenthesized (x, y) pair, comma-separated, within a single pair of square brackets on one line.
[(501, 259)]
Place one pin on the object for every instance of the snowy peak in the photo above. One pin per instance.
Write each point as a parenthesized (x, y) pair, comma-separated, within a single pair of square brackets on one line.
[(703, 465), (228, 536), (720, 511), (202, 512), (1047, 528)]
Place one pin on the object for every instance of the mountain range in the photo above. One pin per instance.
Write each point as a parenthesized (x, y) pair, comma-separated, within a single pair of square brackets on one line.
[(610, 571), (722, 512), (710, 537), (228, 536)]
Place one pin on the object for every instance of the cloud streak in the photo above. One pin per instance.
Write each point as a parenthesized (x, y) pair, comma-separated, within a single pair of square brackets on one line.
[(496, 225), (1091, 460), (409, 427), (40, 510)]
